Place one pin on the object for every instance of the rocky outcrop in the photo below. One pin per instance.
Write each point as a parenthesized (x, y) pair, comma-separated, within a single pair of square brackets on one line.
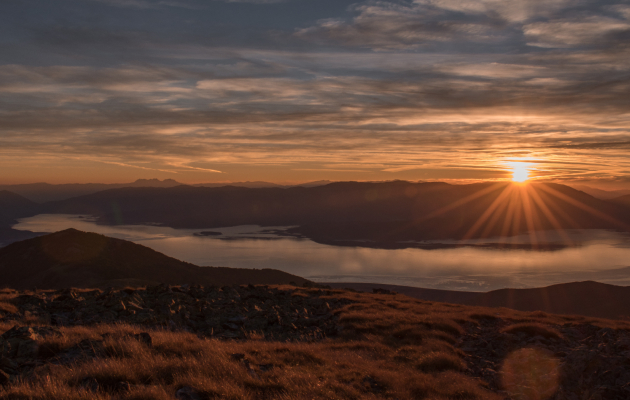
[(228, 312), (564, 362)]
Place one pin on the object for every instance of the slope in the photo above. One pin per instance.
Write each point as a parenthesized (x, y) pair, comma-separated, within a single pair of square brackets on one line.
[(386, 212), (592, 299), (622, 200), (72, 258)]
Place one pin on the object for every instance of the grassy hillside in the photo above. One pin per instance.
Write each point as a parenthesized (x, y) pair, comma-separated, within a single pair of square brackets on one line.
[(78, 259), (375, 346), (591, 299)]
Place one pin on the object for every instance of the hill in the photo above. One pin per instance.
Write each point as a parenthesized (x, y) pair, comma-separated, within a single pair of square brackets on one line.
[(284, 342), (592, 299), (72, 258), (379, 214), (622, 200), (601, 194), (44, 192), (13, 206)]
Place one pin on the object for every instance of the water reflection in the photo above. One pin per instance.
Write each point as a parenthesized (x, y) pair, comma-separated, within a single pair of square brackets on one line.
[(602, 256)]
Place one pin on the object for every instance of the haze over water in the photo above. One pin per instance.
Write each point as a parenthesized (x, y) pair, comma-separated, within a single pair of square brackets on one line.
[(601, 256)]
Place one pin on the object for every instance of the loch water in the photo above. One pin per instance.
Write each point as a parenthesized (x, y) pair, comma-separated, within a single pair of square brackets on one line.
[(598, 255)]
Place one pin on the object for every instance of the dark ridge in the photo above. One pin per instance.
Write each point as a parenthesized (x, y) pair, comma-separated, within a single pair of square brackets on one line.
[(72, 258), (381, 214), (15, 206), (439, 295), (622, 200), (589, 298), (12, 207)]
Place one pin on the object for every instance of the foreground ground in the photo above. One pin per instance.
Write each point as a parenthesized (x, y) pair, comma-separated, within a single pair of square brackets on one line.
[(286, 342)]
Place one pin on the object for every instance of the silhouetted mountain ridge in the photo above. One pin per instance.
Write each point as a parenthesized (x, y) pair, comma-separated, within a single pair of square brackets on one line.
[(622, 200), (14, 206), (45, 192), (72, 258), (384, 212)]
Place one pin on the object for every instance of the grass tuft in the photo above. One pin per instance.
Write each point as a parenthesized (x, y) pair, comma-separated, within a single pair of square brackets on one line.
[(533, 330)]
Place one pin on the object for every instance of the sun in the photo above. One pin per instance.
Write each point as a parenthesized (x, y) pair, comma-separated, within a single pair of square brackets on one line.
[(520, 172)]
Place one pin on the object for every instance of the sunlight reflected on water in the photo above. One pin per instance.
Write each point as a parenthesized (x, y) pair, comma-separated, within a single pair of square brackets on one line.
[(603, 256)]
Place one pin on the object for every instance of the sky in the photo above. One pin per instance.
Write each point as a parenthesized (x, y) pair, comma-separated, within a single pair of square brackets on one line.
[(303, 90)]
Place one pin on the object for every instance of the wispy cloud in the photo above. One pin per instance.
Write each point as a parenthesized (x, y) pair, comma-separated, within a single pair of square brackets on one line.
[(424, 89)]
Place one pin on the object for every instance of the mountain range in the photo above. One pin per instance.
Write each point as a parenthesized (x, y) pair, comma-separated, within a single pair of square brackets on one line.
[(45, 192), (13, 206), (602, 194), (382, 214), (72, 258)]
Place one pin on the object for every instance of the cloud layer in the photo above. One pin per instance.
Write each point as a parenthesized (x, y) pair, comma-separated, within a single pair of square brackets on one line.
[(300, 90)]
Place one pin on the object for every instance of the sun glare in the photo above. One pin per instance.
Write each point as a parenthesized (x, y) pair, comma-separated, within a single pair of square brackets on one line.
[(520, 172)]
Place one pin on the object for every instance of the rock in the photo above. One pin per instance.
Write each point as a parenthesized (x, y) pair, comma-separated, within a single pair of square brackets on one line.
[(90, 384), (122, 387), (265, 367), (22, 343), (230, 326), (5, 379), (7, 365), (188, 393), (145, 338), (226, 313)]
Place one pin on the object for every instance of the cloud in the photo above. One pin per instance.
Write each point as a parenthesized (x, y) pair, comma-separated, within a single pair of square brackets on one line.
[(385, 25), (592, 30), (406, 88), (147, 4)]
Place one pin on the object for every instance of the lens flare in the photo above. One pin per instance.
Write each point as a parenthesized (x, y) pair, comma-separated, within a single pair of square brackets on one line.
[(531, 374)]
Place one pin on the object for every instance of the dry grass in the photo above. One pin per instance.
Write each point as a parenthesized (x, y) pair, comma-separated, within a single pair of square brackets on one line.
[(533, 330), (391, 347)]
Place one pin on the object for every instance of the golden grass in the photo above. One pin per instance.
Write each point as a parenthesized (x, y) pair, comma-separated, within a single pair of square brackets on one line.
[(391, 347), (533, 330)]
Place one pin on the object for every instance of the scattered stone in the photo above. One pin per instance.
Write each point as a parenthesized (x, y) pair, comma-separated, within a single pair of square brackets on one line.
[(122, 387), (230, 312), (265, 367), (144, 337), (5, 379), (589, 359), (188, 393), (90, 384), (372, 385)]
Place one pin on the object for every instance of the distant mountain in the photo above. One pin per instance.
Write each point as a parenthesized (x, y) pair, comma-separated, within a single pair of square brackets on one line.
[(588, 298), (601, 194), (153, 183), (382, 214), (44, 192), (260, 184), (313, 184), (622, 200), (73, 258), (13, 206), (256, 184)]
